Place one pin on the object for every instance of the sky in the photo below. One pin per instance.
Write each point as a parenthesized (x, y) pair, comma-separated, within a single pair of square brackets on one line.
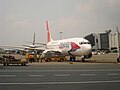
[(20, 19)]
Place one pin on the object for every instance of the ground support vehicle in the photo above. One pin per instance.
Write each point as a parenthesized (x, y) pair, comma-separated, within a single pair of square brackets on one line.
[(32, 57), (7, 60), (59, 59), (53, 56)]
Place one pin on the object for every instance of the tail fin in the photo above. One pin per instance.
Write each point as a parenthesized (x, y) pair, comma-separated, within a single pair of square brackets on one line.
[(48, 32), (34, 39)]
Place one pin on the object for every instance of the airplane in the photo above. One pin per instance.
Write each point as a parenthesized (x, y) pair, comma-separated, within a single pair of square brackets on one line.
[(24, 48), (68, 47), (32, 46)]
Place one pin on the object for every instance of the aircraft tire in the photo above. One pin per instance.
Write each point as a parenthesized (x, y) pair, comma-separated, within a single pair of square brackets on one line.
[(72, 58), (83, 59), (46, 60)]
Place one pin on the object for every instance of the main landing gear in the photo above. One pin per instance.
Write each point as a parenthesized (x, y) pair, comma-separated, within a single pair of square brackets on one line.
[(72, 58)]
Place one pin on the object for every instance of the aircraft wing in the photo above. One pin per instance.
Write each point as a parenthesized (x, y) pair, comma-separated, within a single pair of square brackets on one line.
[(37, 43), (12, 47), (32, 46), (38, 48), (23, 47)]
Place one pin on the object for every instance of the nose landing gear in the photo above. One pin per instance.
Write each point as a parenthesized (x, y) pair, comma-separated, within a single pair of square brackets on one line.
[(83, 59)]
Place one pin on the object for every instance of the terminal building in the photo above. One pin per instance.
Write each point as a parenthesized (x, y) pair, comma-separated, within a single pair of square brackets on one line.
[(113, 40), (104, 41)]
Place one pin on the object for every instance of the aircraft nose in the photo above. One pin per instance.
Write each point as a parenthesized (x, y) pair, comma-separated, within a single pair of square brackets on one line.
[(88, 48)]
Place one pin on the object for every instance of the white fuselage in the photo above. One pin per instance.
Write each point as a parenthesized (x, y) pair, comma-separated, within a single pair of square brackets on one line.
[(72, 46)]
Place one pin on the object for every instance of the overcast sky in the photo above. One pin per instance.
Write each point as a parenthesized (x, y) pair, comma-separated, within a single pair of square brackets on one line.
[(19, 19)]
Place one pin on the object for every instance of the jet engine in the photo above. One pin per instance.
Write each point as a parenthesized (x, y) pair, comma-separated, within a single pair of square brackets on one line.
[(88, 56)]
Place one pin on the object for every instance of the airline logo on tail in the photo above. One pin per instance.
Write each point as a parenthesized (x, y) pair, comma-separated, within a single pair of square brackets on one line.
[(48, 32)]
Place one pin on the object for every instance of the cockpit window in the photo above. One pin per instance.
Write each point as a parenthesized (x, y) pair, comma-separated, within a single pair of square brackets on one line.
[(84, 43)]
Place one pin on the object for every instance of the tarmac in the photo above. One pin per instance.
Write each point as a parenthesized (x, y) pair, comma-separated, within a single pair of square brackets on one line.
[(60, 76), (105, 58), (102, 58)]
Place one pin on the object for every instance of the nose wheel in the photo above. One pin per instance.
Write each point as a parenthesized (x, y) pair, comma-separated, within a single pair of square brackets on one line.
[(83, 59)]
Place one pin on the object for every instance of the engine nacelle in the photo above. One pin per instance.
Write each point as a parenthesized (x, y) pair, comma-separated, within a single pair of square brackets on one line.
[(88, 56)]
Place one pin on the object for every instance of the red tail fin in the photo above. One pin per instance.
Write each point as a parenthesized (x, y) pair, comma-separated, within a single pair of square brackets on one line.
[(48, 32)]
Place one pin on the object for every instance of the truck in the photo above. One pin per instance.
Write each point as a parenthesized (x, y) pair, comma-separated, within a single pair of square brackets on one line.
[(32, 56), (53, 56), (7, 60)]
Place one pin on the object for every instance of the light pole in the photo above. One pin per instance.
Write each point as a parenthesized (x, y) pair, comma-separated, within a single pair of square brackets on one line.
[(61, 35)]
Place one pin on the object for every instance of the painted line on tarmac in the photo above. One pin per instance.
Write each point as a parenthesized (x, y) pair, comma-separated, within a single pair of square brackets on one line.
[(58, 70), (36, 75), (62, 75), (113, 74), (87, 74), (7, 75), (58, 83)]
